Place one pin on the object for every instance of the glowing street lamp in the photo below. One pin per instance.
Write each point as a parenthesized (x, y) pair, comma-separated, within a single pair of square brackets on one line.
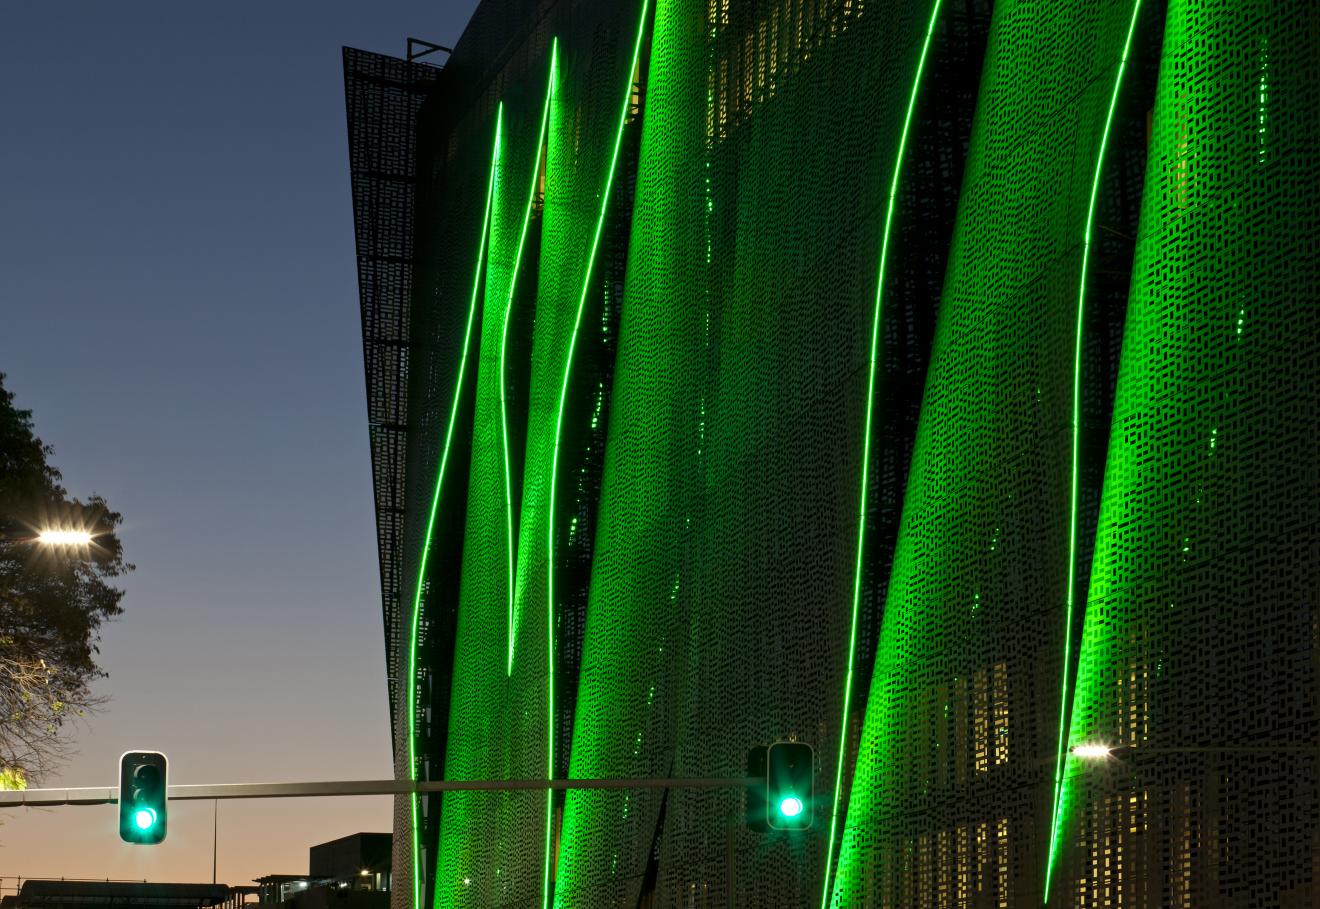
[(1092, 751), (51, 537)]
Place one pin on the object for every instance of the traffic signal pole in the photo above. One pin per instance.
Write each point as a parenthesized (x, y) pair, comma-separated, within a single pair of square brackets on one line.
[(109, 795)]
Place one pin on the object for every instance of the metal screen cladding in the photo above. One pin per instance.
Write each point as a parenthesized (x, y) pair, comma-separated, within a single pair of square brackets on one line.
[(432, 596), (722, 583), (950, 799), (931, 382), (476, 747), (384, 100), (383, 96), (538, 420), (1198, 659)]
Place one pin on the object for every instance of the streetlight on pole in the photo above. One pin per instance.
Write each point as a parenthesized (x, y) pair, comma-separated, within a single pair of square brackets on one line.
[(53, 536), (56, 537)]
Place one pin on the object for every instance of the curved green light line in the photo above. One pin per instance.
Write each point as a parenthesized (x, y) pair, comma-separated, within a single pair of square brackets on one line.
[(866, 454), (435, 504), (504, 338), (1076, 445), (554, 458)]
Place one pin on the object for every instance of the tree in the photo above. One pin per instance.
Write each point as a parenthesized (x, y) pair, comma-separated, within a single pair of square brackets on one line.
[(53, 600)]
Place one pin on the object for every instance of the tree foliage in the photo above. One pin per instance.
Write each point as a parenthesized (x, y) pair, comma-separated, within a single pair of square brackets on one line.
[(53, 600)]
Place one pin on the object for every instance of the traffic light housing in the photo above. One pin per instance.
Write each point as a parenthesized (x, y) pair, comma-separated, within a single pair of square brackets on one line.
[(143, 818), (756, 790), (790, 775)]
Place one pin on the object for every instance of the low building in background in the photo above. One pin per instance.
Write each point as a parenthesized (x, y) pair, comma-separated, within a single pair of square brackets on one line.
[(275, 889), (360, 862), (352, 872)]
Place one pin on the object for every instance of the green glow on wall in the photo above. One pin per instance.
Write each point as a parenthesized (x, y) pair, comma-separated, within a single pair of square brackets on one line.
[(605, 195), (435, 504), (960, 711), (727, 379), (1207, 524), (634, 615), (1060, 755), (504, 338), (866, 454), (486, 852)]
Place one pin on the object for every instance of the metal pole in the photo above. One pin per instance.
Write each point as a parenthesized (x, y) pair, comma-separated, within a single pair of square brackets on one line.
[(110, 794), (215, 829)]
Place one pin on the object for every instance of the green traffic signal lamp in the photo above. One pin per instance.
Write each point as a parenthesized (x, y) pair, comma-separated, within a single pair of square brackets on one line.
[(790, 774), (143, 819), (790, 807)]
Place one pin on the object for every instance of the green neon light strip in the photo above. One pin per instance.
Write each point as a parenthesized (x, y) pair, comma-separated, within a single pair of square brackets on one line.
[(1076, 444), (435, 504), (866, 456), (554, 458), (504, 336)]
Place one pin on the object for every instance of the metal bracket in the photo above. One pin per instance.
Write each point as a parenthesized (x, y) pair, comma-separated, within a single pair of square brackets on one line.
[(417, 48)]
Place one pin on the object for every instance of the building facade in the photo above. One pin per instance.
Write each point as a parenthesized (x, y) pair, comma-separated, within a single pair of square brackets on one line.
[(935, 383)]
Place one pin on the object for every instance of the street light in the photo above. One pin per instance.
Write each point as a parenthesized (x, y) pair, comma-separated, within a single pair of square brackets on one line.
[(52, 537), (1092, 751)]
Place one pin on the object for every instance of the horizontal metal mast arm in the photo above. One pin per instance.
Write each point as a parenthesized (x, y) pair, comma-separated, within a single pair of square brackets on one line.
[(110, 795)]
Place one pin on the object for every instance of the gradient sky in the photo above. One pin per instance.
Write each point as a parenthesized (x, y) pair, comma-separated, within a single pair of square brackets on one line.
[(178, 306)]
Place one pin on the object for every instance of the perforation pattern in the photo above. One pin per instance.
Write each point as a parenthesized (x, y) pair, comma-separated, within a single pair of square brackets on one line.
[(703, 524), (1200, 637), (492, 848), (951, 794), (384, 97)]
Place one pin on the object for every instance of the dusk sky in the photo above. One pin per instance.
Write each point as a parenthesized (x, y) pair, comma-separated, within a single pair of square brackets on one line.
[(178, 306)]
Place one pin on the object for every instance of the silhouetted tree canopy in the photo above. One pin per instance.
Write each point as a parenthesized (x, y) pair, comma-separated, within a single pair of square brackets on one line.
[(53, 600)]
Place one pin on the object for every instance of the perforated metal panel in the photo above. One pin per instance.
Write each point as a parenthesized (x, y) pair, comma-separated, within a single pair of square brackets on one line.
[(952, 789), (383, 97), (1199, 653), (686, 493), (539, 423)]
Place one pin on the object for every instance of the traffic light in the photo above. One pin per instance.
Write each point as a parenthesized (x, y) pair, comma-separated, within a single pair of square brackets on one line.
[(142, 812), (789, 785)]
